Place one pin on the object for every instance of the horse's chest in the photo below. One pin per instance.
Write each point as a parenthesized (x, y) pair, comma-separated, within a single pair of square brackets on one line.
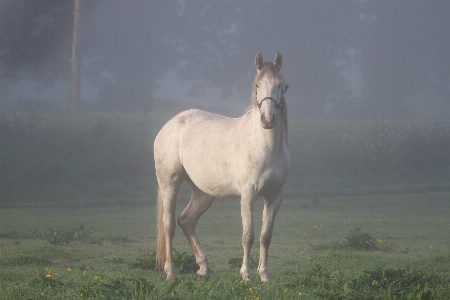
[(270, 181), (267, 173)]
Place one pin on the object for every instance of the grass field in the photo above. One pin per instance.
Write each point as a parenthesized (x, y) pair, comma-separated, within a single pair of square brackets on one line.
[(365, 215), (46, 254)]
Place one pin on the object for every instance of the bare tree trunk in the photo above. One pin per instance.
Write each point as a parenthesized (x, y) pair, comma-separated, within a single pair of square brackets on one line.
[(75, 78)]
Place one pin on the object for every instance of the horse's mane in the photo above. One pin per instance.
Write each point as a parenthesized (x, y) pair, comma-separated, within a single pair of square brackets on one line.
[(272, 70)]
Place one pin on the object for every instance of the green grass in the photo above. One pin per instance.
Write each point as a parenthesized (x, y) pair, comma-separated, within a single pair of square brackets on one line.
[(409, 257)]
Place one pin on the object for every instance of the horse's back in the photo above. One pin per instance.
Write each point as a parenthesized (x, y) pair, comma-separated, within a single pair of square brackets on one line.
[(192, 124)]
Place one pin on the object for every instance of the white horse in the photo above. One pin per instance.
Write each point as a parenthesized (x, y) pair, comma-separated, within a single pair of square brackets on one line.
[(217, 156)]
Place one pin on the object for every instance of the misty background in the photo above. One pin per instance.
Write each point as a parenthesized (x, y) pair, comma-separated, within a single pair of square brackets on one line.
[(352, 59), (367, 199), (368, 103)]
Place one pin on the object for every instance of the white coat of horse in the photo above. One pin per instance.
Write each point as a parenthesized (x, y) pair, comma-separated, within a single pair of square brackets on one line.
[(246, 157)]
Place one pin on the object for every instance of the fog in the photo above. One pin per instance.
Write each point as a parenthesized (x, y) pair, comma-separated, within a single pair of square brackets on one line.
[(367, 199), (370, 80), (342, 59)]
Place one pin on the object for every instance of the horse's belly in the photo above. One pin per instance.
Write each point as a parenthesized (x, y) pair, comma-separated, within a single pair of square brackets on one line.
[(218, 183), (207, 154)]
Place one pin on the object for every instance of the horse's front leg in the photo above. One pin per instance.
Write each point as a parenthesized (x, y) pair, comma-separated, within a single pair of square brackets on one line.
[(248, 236), (271, 206)]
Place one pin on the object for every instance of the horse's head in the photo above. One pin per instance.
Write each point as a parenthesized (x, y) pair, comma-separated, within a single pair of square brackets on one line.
[(268, 90)]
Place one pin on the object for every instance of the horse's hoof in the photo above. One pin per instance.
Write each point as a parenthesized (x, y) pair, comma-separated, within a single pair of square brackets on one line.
[(202, 276), (264, 278), (246, 278), (171, 277)]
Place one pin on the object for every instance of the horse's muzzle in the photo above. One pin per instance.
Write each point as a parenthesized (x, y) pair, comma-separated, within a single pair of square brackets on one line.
[(268, 123)]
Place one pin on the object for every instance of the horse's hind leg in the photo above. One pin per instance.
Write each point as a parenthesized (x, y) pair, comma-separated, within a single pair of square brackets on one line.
[(169, 178), (200, 202), (169, 197)]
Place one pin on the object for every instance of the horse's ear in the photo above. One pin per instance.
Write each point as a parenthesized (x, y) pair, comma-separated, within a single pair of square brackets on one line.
[(278, 61), (259, 61)]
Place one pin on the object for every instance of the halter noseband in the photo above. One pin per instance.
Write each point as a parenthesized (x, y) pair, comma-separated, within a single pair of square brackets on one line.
[(278, 105)]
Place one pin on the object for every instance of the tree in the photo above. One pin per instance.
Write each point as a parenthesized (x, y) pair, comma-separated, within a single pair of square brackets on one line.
[(75, 77), (33, 39)]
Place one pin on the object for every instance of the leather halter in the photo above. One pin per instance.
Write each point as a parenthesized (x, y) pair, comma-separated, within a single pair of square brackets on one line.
[(278, 105)]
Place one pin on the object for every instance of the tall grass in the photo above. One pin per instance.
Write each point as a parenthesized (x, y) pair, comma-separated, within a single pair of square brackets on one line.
[(334, 158), (372, 148), (63, 157), (106, 158)]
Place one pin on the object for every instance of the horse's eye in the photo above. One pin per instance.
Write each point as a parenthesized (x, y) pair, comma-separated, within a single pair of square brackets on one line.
[(257, 86)]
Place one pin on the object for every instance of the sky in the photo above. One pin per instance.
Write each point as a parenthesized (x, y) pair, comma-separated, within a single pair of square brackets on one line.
[(355, 59)]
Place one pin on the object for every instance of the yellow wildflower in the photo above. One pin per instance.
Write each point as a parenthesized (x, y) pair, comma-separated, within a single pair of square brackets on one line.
[(69, 269), (49, 272), (84, 272), (96, 278)]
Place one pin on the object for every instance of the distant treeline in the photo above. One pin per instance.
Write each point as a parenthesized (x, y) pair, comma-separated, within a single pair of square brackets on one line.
[(91, 158)]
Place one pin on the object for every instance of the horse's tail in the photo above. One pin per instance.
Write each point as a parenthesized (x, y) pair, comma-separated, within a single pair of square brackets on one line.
[(160, 236)]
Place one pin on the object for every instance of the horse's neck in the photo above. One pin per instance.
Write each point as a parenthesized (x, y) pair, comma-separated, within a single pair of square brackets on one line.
[(274, 138)]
